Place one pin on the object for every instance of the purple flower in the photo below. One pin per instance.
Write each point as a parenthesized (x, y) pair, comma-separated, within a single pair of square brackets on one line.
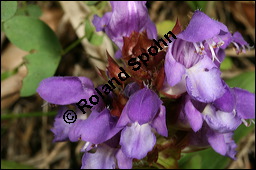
[(61, 128), (222, 143), (70, 90), (229, 111), (103, 158), (142, 115), (97, 128), (192, 61), (223, 115), (126, 17), (188, 65), (125, 126), (239, 43), (190, 114), (65, 90), (106, 157)]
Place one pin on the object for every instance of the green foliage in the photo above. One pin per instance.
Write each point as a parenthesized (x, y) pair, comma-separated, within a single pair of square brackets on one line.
[(34, 11), (8, 9), (164, 27), (195, 162), (194, 5), (40, 65), (14, 165), (33, 35), (226, 64), (29, 10), (245, 81), (206, 159), (91, 35)]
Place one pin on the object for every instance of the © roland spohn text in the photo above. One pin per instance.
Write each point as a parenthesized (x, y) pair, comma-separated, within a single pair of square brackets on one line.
[(94, 99)]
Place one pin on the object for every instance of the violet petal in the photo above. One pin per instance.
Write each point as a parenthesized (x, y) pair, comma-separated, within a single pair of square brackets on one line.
[(245, 103), (137, 140), (159, 122), (97, 128), (65, 90), (103, 158), (143, 105), (193, 115), (201, 27), (204, 82), (123, 161), (217, 142)]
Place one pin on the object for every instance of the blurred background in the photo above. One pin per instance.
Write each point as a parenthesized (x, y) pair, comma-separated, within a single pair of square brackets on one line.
[(41, 39)]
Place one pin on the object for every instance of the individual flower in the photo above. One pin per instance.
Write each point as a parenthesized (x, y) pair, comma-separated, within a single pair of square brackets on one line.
[(229, 111), (223, 115), (125, 18), (189, 61), (222, 143), (192, 61), (214, 123), (142, 115)]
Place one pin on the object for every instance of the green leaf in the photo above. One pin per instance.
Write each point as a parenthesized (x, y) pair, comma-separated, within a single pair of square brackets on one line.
[(31, 34), (91, 3), (40, 65), (34, 11), (194, 162), (14, 165), (164, 27), (21, 11), (208, 157), (96, 39), (226, 64), (91, 35), (8, 9), (245, 81)]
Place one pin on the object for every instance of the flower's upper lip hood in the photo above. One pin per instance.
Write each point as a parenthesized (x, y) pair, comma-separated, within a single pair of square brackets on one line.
[(201, 27), (125, 17)]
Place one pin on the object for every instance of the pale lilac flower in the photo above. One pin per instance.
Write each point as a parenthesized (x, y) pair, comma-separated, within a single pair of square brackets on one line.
[(103, 158)]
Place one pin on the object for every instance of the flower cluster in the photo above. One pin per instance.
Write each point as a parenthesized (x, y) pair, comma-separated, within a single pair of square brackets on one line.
[(186, 74)]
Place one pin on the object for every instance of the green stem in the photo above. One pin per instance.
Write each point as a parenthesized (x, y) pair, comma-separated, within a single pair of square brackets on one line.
[(25, 115), (73, 45)]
